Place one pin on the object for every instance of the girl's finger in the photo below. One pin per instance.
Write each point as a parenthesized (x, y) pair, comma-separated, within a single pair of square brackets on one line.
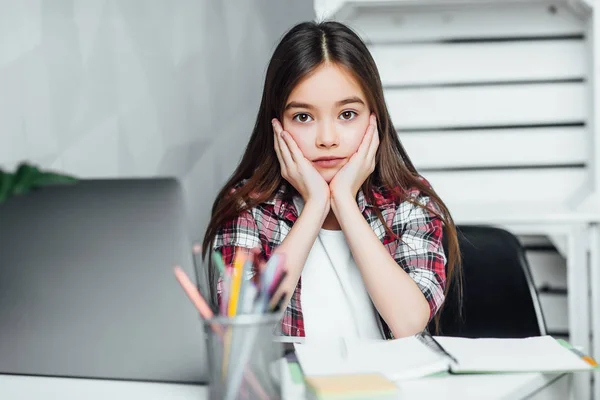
[(285, 151), (277, 146), (280, 144), (295, 151), (277, 128), (374, 144), (366, 141), (283, 146)]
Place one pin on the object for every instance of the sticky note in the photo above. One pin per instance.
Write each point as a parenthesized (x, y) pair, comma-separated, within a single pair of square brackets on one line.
[(353, 386)]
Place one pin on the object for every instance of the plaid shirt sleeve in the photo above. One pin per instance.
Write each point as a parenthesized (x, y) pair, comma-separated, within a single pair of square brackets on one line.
[(236, 235), (420, 251)]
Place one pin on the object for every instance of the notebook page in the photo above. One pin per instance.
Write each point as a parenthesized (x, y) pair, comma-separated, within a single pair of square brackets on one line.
[(398, 359), (535, 354)]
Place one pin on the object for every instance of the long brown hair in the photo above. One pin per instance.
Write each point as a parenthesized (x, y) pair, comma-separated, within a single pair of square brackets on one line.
[(302, 49)]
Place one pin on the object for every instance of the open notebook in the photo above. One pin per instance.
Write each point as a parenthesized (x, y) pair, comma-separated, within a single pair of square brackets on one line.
[(423, 355)]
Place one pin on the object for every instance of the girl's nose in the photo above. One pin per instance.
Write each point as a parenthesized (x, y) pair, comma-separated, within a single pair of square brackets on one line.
[(327, 136)]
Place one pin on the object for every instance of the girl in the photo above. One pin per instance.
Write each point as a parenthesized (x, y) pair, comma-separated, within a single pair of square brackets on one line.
[(325, 181)]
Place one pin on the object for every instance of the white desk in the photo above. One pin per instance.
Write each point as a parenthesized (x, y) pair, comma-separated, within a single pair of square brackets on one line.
[(477, 387), (491, 387)]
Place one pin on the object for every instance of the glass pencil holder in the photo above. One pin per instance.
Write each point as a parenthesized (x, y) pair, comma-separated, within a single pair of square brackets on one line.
[(243, 360)]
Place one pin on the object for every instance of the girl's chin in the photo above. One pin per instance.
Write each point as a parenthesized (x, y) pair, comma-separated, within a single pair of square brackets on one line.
[(328, 177), (328, 173)]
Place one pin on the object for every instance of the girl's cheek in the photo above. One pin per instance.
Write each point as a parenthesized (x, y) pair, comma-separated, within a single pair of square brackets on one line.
[(354, 137)]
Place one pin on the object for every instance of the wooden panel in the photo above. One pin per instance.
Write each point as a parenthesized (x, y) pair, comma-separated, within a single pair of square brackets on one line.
[(487, 105), (555, 312), (501, 147), (548, 268), (419, 64), (401, 24), (549, 185)]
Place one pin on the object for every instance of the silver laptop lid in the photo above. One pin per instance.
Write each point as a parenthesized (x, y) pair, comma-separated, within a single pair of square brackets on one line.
[(87, 287)]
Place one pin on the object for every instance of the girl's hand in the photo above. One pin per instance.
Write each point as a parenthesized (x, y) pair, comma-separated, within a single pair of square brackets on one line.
[(298, 170), (351, 176)]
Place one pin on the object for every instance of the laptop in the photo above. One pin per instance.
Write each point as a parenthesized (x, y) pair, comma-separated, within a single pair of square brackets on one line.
[(87, 286)]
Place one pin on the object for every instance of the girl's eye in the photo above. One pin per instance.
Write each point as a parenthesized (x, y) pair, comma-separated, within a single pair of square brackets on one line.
[(302, 117), (348, 115)]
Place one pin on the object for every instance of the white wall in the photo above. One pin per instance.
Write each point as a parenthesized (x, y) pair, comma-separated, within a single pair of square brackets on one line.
[(101, 88)]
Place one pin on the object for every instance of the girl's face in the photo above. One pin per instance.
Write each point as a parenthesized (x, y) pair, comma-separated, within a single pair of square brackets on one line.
[(327, 115)]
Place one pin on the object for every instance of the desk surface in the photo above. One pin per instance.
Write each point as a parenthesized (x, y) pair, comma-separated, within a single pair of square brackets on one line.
[(448, 387)]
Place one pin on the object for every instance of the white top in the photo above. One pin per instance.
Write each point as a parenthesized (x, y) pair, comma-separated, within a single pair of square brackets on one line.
[(334, 300)]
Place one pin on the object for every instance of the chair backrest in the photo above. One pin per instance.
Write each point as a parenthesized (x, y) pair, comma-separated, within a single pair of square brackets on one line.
[(499, 299)]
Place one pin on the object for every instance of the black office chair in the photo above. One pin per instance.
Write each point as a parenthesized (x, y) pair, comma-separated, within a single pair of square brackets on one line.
[(499, 299)]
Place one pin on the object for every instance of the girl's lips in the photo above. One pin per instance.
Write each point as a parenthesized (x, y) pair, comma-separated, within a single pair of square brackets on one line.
[(328, 163)]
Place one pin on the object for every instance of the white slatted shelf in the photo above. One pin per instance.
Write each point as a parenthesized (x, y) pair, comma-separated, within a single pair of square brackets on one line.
[(528, 146), (552, 185), (553, 216), (487, 105), (420, 64), (391, 24)]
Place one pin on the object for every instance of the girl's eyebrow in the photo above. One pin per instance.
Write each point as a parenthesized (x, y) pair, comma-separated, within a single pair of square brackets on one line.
[(349, 100)]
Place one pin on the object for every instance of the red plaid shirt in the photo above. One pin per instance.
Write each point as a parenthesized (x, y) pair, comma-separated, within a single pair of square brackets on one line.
[(419, 253)]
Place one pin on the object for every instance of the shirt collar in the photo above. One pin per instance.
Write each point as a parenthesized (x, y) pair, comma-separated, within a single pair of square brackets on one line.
[(382, 199), (283, 208)]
